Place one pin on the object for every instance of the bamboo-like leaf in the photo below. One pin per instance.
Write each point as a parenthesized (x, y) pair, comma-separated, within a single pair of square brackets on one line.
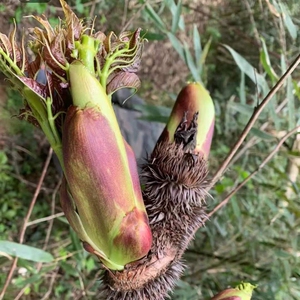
[(197, 44), (262, 134), (176, 16), (245, 109), (291, 103), (155, 17), (249, 70), (25, 252), (177, 45), (266, 63), (191, 64), (288, 22), (242, 88)]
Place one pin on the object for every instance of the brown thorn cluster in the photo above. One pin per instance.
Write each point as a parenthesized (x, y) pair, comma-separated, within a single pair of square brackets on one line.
[(174, 194)]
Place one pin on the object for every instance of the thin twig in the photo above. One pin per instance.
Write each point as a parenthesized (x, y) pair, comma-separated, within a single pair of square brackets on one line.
[(39, 265), (52, 281), (92, 10), (265, 161), (251, 142), (256, 113), (125, 13), (23, 230), (253, 23), (49, 218)]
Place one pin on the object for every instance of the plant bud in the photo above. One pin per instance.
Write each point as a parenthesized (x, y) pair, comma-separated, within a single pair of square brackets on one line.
[(101, 193), (242, 292), (192, 120)]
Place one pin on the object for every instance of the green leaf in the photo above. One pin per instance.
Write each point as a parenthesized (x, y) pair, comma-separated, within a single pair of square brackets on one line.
[(155, 17), (291, 103), (262, 134), (190, 63), (266, 63), (242, 89), (205, 52), (236, 208), (152, 36), (176, 45), (245, 109), (249, 70), (288, 22), (176, 13), (174, 10), (197, 44), (79, 6), (25, 252)]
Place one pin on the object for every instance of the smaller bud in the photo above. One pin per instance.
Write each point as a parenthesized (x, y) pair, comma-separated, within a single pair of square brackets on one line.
[(242, 292), (192, 120)]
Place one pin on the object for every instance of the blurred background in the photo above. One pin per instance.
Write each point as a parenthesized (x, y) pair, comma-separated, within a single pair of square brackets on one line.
[(238, 49)]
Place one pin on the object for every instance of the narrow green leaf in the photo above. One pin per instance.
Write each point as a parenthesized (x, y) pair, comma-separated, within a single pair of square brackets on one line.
[(288, 22), (262, 134), (25, 252), (190, 63), (272, 111), (176, 45), (282, 64), (266, 63), (236, 208), (197, 44), (291, 103), (152, 36), (245, 109), (155, 17), (292, 154), (176, 16), (205, 52), (249, 70), (242, 89)]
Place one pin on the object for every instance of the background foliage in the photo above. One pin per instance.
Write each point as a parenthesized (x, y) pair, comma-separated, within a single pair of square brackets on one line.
[(238, 50)]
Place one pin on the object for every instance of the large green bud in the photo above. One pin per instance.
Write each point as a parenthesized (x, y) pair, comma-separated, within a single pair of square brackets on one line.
[(242, 292), (192, 120), (101, 194)]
